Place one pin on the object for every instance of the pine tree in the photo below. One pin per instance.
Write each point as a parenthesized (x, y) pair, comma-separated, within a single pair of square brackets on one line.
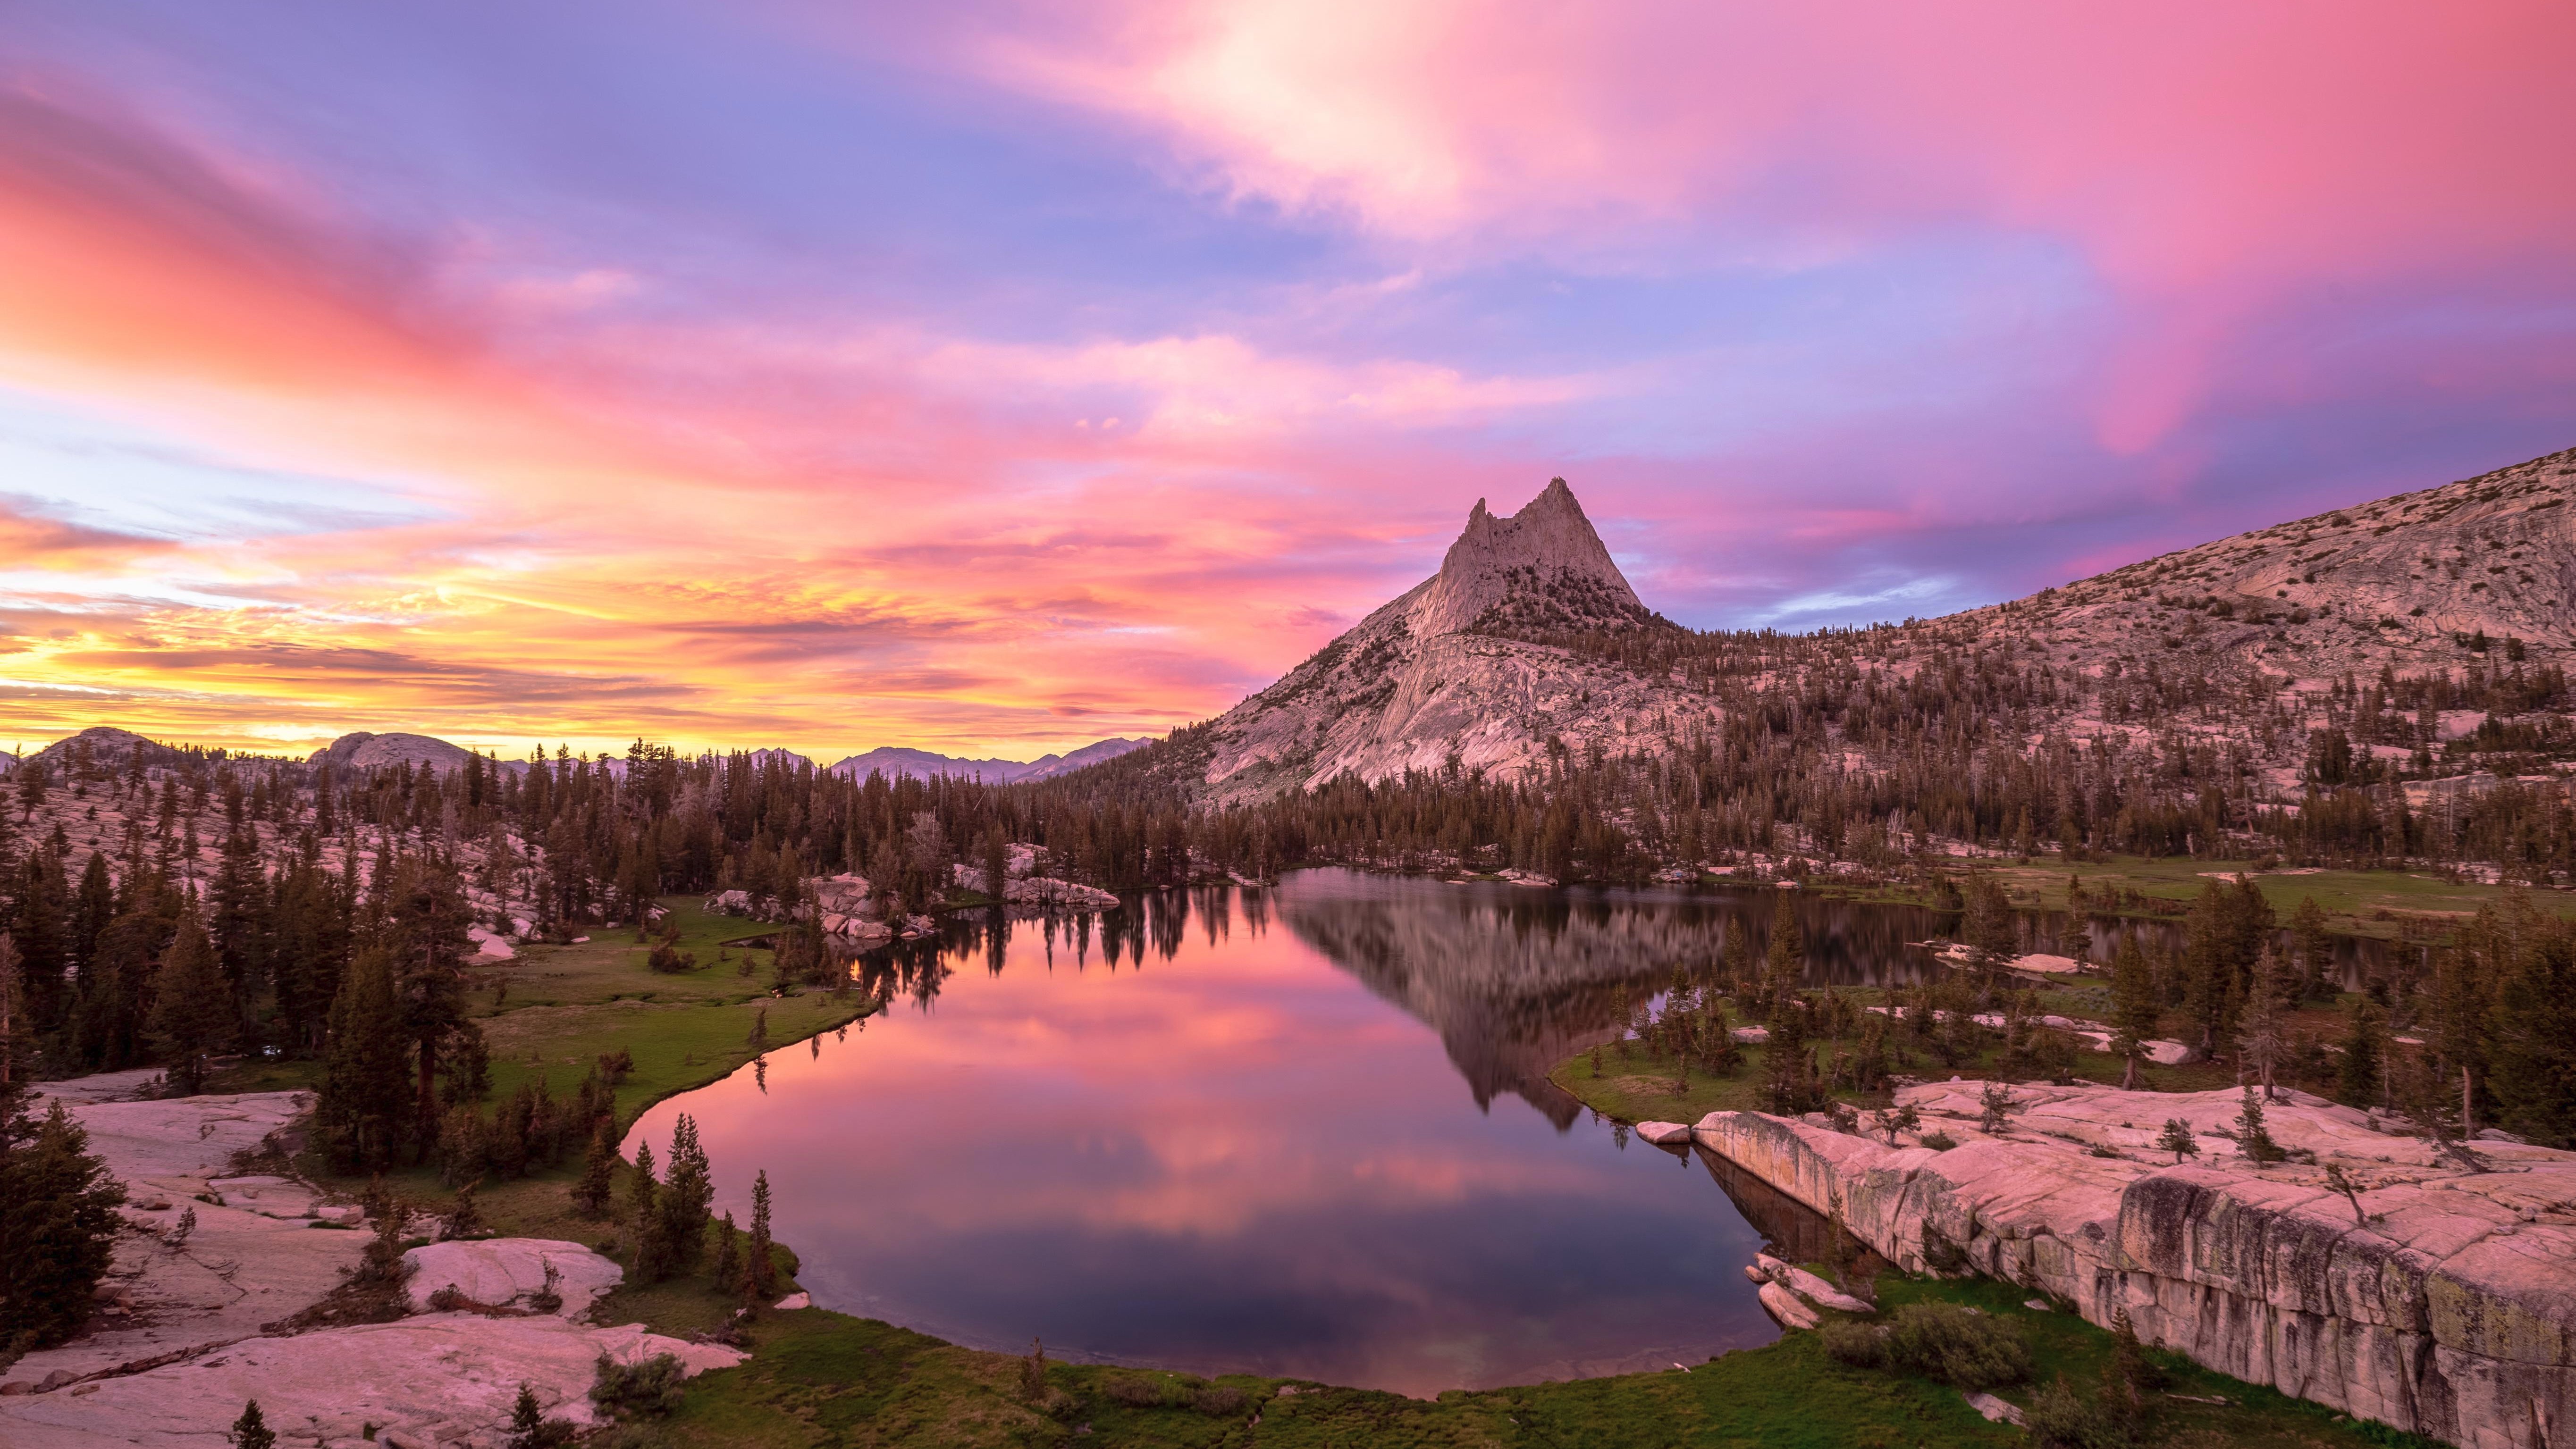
[(1784, 961), (686, 1192), (2533, 1042), (2262, 1037), (2316, 951), (364, 1106), (17, 1030), (40, 930), (2177, 1139), (1738, 954), (2360, 1078), (598, 1171), (2134, 1010), (58, 1225), (251, 1430), (760, 1274), (2252, 1138), (192, 1005), (728, 1269), (529, 1426), (425, 925), (1787, 1069), (653, 1253)]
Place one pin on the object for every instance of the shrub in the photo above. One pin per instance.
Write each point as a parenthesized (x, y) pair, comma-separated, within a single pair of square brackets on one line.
[(1862, 1345), (1133, 1391), (650, 1388), (1938, 1141), (1221, 1401), (1947, 1342), (2061, 1418)]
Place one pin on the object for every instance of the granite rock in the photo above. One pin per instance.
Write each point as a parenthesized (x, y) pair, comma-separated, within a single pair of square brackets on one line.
[(2451, 1312)]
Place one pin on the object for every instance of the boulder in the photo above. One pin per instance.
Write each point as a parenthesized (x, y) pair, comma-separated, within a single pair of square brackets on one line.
[(794, 1301), (1664, 1134), (1787, 1307), (1996, 1410), (1808, 1286), (507, 1272)]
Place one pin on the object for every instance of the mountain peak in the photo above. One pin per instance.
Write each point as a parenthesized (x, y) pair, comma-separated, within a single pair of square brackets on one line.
[(1541, 568)]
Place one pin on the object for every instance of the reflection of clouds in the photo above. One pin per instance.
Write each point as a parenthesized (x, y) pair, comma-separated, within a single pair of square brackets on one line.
[(1233, 1157)]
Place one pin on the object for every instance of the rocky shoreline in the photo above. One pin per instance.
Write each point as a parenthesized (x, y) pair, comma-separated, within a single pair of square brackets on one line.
[(213, 1264), (2439, 1296)]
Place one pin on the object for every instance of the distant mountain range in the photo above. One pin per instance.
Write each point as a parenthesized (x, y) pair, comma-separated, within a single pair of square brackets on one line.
[(894, 760), (109, 748)]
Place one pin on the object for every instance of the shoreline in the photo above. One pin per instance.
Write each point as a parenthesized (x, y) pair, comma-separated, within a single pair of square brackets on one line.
[(811, 1367)]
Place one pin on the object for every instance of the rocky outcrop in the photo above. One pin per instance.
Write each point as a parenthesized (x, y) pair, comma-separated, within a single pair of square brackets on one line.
[(2347, 589), (537, 1274), (213, 1262), (1450, 670), (843, 901), (361, 751), (2451, 1311), (442, 1379)]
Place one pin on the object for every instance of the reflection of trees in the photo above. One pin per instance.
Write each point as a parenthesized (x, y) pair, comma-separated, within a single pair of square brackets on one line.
[(1516, 980)]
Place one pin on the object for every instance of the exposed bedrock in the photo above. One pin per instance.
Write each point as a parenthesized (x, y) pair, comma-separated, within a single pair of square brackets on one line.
[(2452, 1312)]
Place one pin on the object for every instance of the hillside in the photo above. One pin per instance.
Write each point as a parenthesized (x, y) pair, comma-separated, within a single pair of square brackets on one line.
[(1530, 635), (2398, 582)]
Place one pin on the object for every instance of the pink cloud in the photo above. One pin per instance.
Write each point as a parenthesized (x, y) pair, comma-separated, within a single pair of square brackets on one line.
[(2208, 161)]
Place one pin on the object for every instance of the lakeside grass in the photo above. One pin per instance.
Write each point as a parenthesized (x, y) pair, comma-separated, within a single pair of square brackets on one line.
[(1637, 1085), (2380, 904), (551, 1014), (818, 1378)]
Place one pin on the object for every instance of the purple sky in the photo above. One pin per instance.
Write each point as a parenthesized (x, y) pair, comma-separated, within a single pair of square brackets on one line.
[(977, 378)]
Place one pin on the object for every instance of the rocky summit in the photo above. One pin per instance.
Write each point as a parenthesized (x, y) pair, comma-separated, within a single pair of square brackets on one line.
[(364, 751), (1455, 670)]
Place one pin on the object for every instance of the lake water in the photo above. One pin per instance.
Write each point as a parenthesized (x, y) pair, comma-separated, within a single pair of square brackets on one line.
[(1303, 1131)]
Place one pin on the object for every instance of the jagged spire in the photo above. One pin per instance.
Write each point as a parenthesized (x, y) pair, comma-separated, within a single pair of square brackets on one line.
[(1547, 546)]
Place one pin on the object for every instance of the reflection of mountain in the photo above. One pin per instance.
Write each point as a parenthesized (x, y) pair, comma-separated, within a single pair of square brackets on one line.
[(1513, 985), (1516, 980)]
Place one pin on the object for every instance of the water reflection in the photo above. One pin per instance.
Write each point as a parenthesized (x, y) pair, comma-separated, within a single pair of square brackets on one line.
[(1302, 1131), (1181, 1136)]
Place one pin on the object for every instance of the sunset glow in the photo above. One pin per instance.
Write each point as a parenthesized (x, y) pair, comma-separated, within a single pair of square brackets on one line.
[(980, 379)]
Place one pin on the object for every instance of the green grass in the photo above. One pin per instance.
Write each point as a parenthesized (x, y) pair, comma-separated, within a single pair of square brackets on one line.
[(2375, 903), (2356, 902), (1637, 1086), (821, 1379), (552, 1013)]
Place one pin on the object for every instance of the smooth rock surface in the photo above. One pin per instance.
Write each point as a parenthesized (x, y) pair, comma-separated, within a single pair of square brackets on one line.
[(2452, 1313), (252, 1258), (1665, 1134), (1787, 1307), (505, 1272), (443, 1378), (1808, 1286), (179, 1343)]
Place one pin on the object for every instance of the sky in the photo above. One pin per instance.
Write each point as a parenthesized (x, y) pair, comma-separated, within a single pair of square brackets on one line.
[(993, 378)]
